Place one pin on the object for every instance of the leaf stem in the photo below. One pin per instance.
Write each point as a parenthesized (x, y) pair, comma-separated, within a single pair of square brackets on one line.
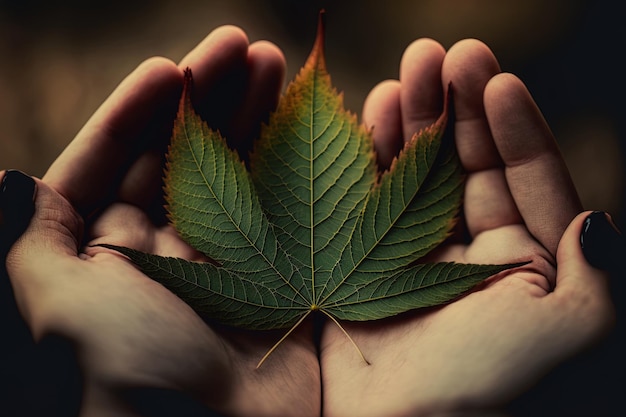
[(347, 335), (269, 352)]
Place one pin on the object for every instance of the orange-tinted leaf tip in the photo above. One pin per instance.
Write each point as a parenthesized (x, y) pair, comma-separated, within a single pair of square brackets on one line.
[(185, 98), (188, 80), (317, 53)]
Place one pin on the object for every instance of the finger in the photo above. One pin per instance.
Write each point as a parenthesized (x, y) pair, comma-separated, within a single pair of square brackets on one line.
[(421, 95), (50, 241), (125, 225), (55, 228), (536, 173), (397, 110), (488, 204), (468, 66), (266, 73), (382, 115), (90, 169), (236, 85), (580, 287), (219, 68), (142, 185)]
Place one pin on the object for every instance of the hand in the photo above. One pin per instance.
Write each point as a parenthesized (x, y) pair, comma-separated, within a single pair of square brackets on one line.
[(131, 335), (484, 349)]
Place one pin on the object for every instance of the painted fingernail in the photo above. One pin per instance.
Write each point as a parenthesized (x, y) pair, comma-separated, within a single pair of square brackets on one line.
[(17, 206), (602, 243)]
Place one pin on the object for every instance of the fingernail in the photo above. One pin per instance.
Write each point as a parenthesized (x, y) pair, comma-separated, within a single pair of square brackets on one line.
[(17, 206), (602, 243)]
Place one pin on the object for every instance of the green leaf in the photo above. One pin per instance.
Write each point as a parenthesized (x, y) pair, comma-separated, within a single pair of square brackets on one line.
[(423, 285), (212, 203), (311, 226), (314, 168), (228, 297)]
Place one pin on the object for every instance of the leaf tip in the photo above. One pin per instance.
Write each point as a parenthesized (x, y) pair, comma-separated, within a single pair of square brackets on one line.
[(187, 72), (187, 85), (321, 30), (316, 58)]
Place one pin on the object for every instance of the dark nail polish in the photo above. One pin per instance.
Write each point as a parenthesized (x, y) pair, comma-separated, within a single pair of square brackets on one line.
[(603, 245), (17, 206)]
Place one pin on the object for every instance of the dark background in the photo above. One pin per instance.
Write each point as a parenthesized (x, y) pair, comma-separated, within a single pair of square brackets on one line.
[(59, 61)]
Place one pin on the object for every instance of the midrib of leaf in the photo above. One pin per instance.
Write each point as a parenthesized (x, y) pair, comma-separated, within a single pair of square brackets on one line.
[(312, 142), (311, 190), (319, 71)]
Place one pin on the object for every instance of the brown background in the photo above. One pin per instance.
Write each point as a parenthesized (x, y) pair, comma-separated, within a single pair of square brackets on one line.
[(59, 61)]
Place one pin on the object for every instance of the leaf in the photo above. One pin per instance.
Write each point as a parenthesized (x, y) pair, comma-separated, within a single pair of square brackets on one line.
[(311, 226)]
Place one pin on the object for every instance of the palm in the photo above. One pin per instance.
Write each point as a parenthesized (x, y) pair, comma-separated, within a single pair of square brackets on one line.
[(433, 359)]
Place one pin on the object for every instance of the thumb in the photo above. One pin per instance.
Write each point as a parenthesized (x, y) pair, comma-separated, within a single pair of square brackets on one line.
[(42, 377), (55, 228), (590, 248), (51, 238), (584, 257)]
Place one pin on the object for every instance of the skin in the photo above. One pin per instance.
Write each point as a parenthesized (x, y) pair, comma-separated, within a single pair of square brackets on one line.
[(475, 354)]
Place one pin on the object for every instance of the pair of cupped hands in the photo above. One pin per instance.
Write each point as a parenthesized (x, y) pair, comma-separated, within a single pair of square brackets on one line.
[(475, 354)]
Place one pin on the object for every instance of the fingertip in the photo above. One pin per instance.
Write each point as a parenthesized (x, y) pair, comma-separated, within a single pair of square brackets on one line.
[(385, 96), (228, 35), (420, 48), (268, 52), (602, 243), (382, 115), (580, 285), (467, 62), (507, 101), (572, 265), (569, 245), (220, 67), (470, 47), (160, 67), (422, 93), (224, 43), (267, 66), (505, 89), (152, 80), (517, 124)]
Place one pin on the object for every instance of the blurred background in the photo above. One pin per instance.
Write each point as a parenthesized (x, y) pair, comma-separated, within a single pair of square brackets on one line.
[(60, 60)]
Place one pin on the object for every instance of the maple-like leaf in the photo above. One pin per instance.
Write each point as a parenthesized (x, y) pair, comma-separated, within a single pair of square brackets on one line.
[(311, 226)]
